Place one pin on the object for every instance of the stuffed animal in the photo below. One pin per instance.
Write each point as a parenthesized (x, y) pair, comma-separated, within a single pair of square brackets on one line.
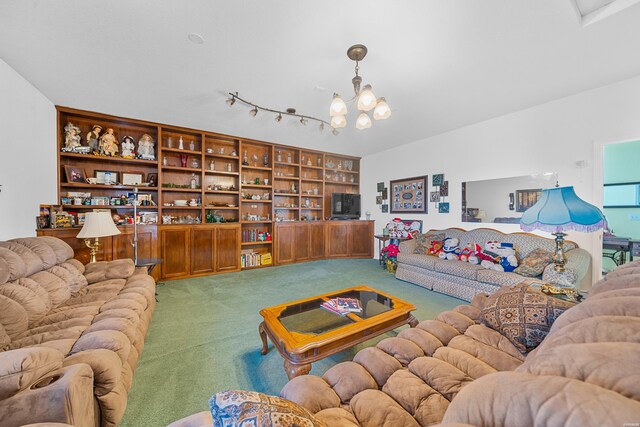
[(435, 248), (476, 250), (466, 253), (450, 248), (487, 257), (508, 260)]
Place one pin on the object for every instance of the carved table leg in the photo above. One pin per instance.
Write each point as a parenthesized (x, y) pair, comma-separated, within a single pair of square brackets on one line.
[(413, 322), (293, 370), (263, 336)]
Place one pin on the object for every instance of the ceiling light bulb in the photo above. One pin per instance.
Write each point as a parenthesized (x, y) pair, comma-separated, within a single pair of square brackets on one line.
[(363, 122), (278, 117), (254, 111), (231, 101), (382, 110), (338, 107), (366, 99), (338, 122)]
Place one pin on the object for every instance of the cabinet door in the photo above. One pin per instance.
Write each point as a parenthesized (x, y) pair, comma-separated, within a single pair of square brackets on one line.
[(123, 242), (202, 244), (337, 239), (301, 242), (175, 252), (284, 241), (316, 241), (227, 248), (361, 239)]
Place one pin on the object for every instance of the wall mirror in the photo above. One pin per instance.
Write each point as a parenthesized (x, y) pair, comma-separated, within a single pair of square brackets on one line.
[(503, 200), (624, 195)]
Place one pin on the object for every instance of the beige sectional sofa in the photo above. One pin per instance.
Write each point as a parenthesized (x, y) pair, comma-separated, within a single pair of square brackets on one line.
[(464, 280), (70, 335), (454, 369)]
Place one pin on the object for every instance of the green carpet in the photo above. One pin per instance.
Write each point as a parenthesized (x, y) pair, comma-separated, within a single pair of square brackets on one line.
[(204, 334)]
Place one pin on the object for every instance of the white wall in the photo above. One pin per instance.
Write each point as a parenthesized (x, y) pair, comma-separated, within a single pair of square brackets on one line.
[(547, 138), (27, 154)]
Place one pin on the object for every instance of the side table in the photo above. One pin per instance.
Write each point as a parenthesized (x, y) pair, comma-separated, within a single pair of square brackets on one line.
[(382, 242)]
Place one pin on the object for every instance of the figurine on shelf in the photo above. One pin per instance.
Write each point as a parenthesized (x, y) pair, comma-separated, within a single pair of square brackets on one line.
[(128, 147), (265, 160), (145, 147), (92, 138), (108, 143), (72, 138), (245, 159), (255, 159)]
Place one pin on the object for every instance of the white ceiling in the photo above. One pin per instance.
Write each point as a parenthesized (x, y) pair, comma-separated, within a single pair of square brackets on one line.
[(441, 64)]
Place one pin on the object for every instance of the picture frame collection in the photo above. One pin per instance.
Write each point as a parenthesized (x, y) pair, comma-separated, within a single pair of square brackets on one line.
[(412, 195)]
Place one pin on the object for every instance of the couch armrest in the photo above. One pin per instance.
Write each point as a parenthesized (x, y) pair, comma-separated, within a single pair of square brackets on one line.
[(105, 364), (578, 262), (22, 367), (62, 396), (105, 270)]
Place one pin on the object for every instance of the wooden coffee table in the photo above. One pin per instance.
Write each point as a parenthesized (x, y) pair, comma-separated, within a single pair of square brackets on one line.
[(304, 333)]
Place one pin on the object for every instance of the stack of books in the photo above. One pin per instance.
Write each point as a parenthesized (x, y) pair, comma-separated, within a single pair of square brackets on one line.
[(342, 306)]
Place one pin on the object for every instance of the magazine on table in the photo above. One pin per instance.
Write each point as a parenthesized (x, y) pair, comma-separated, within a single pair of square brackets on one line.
[(342, 306)]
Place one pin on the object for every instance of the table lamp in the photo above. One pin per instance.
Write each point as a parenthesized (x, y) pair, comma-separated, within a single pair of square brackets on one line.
[(558, 210), (97, 224)]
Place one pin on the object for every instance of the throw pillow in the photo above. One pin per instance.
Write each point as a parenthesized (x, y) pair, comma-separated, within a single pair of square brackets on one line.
[(523, 315), (424, 241), (533, 264), (250, 408)]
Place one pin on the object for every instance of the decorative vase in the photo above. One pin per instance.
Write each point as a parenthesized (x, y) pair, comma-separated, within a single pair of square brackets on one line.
[(183, 160)]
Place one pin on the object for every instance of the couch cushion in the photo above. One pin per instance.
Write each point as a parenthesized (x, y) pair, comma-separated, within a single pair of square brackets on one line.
[(457, 268), (13, 317), (58, 290), (523, 315), (33, 304), (40, 248), (423, 261), (5, 339), (77, 281), (20, 368), (534, 263), (15, 266), (60, 248), (498, 278), (32, 262), (424, 241), (250, 408)]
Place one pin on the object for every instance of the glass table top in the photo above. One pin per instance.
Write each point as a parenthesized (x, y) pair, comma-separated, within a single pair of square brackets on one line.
[(308, 318)]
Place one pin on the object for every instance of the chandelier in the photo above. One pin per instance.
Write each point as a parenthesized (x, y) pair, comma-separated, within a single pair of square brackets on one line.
[(366, 100)]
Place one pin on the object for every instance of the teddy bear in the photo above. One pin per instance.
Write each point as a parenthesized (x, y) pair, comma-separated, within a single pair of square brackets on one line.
[(450, 248), (435, 248), (508, 260), (486, 254)]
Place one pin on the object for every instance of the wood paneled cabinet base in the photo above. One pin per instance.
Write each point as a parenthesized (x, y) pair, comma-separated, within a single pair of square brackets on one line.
[(308, 241)]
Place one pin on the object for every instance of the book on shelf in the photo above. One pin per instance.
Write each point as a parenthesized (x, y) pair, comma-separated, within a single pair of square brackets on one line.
[(250, 258), (342, 306)]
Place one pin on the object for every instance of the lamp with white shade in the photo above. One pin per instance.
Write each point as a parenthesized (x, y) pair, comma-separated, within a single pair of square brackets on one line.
[(96, 225)]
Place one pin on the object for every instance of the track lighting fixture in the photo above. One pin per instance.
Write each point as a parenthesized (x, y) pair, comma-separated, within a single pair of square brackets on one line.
[(233, 97), (366, 100)]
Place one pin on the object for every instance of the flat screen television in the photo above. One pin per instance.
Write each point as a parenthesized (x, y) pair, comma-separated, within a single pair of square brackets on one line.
[(345, 206)]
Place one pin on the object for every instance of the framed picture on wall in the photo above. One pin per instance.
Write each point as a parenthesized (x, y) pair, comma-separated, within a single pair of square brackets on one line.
[(409, 195), (527, 198)]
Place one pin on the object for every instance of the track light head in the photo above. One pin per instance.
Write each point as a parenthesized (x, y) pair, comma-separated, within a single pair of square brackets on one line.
[(278, 118), (254, 111), (231, 101), (303, 121)]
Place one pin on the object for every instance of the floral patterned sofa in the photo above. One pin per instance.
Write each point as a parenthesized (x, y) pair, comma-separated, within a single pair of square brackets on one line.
[(464, 280)]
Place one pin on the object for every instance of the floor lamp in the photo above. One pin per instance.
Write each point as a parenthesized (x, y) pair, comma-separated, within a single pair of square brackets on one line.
[(558, 210), (96, 225)]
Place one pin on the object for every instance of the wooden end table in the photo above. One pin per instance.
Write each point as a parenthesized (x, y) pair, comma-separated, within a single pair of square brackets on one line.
[(304, 333)]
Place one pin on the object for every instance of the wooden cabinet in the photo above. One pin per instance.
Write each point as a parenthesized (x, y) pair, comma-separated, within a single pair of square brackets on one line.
[(349, 239), (306, 241), (198, 250)]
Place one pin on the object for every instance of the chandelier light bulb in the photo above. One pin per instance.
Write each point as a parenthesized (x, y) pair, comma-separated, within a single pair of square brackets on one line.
[(254, 111), (278, 118), (382, 110), (366, 100), (338, 122), (338, 107), (231, 101), (363, 122)]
